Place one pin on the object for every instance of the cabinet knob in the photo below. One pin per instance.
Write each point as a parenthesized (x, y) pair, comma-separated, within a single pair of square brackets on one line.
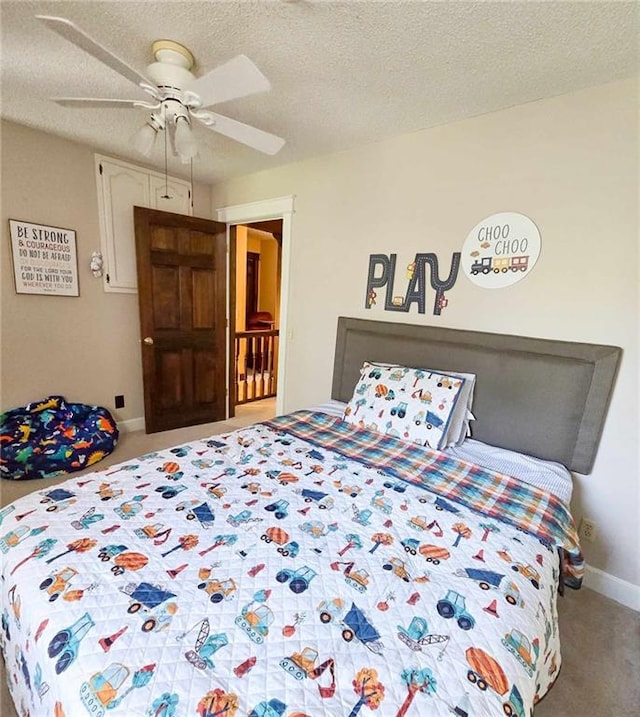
[(148, 340)]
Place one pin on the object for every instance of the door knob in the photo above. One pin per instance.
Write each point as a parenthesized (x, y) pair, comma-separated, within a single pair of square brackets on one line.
[(148, 340)]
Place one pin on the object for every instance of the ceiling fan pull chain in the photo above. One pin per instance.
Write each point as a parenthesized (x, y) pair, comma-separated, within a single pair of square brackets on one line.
[(191, 180), (166, 176)]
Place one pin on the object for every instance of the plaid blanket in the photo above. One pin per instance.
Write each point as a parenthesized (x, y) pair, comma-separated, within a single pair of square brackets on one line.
[(485, 491)]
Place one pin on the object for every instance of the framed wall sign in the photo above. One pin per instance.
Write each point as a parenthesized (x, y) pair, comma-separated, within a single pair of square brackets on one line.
[(44, 259), (501, 250)]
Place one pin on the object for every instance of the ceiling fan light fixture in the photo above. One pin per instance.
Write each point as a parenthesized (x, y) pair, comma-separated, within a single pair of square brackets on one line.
[(177, 93), (184, 141), (143, 140)]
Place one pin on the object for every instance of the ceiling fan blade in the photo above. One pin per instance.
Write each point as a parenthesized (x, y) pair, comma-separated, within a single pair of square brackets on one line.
[(78, 37), (238, 77), (92, 102), (251, 136)]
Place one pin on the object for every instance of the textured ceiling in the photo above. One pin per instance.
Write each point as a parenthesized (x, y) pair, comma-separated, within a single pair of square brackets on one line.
[(343, 74)]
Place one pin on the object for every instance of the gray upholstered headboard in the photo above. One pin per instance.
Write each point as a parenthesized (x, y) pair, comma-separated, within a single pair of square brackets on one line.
[(541, 397)]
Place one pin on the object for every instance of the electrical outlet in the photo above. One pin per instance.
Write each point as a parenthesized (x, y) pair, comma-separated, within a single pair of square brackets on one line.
[(588, 530), (119, 402)]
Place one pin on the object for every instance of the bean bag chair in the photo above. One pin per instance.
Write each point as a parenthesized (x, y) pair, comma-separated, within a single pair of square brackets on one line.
[(53, 437)]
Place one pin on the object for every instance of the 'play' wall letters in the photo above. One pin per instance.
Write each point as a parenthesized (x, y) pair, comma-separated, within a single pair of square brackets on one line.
[(416, 288)]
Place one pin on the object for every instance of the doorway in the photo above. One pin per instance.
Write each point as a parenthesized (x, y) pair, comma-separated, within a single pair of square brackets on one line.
[(254, 291), (280, 208)]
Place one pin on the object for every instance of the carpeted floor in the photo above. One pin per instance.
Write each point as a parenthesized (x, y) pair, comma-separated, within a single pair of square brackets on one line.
[(600, 638)]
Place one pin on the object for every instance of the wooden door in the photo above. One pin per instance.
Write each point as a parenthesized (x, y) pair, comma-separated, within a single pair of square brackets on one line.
[(181, 265)]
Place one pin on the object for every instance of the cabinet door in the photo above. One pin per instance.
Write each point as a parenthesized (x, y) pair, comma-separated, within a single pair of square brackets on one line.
[(170, 195), (122, 189)]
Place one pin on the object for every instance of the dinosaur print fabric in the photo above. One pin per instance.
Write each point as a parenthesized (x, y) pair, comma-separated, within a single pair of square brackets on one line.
[(52, 437)]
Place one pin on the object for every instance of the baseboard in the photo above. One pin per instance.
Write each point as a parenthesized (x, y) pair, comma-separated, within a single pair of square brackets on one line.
[(133, 424), (617, 589)]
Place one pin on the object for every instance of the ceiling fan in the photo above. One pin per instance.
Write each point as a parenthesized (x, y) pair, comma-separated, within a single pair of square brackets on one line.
[(178, 96)]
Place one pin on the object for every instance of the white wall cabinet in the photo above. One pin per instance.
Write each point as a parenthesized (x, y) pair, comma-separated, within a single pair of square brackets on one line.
[(122, 186)]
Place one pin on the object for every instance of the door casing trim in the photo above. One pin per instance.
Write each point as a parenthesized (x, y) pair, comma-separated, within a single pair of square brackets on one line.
[(277, 208)]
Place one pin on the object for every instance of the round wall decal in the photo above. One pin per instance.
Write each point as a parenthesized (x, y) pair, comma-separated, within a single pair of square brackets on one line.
[(501, 250)]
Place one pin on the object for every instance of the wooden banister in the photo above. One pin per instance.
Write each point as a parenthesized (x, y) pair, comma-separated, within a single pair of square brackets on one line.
[(255, 374)]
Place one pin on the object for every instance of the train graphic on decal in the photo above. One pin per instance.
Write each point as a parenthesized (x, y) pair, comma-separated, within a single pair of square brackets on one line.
[(498, 264)]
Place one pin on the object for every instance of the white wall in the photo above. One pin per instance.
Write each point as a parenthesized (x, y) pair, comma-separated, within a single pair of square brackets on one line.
[(85, 348), (571, 164)]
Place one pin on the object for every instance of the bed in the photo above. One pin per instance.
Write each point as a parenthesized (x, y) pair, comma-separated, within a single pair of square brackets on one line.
[(314, 564)]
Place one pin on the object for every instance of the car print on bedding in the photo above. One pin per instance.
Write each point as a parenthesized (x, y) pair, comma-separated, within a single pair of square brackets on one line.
[(303, 665), (488, 580), (237, 604), (417, 636), (256, 618), (298, 580), (57, 583), (453, 605), (147, 600), (217, 590), (205, 646), (66, 643), (354, 623), (58, 499), (101, 692)]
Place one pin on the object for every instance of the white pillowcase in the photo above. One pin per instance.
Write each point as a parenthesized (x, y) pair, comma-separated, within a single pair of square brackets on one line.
[(458, 428), (413, 404)]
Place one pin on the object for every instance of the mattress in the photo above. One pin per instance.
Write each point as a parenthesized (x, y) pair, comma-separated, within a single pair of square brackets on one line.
[(296, 567)]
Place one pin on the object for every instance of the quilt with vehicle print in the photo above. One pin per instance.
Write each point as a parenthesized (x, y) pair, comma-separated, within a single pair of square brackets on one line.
[(297, 567)]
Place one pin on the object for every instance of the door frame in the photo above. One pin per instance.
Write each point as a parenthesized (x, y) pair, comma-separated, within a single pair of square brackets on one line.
[(278, 208)]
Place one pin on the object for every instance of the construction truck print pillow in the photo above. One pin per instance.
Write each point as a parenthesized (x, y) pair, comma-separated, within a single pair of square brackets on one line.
[(297, 568), (411, 404)]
